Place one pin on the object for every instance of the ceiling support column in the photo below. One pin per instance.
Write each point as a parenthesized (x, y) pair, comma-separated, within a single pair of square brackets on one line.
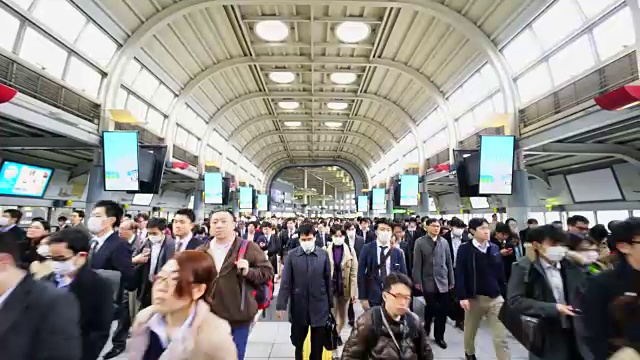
[(305, 197), (324, 194)]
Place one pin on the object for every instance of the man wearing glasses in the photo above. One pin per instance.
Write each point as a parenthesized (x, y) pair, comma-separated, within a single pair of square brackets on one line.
[(578, 224)]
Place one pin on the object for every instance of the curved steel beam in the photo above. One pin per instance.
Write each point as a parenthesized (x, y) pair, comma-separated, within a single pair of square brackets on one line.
[(442, 12), (304, 118), (321, 154), (356, 135), (369, 160)]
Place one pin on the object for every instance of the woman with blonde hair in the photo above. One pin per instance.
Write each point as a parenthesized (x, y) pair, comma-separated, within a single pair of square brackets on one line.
[(179, 325)]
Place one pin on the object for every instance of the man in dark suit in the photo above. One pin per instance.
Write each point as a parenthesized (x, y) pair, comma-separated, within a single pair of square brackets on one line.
[(38, 321), (368, 234), (128, 231), (183, 223), (502, 238), (110, 252), (353, 238), (377, 260), (322, 235), (69, 249), (9, 224)]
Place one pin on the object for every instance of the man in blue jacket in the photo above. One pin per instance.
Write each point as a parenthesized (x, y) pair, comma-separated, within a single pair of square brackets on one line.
[(378, 259), (480, 285)]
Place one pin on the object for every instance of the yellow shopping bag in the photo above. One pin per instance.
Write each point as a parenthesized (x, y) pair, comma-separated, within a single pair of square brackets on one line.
[(306, 349)]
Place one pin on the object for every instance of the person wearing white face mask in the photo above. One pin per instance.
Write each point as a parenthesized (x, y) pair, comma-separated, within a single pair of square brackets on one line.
[(546, 285), (377, 260)]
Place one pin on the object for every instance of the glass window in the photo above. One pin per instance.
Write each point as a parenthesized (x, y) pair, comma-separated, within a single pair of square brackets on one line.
[(97, 45), (436, 143), (131, 73), (498, 103), (61, 17), (475, 88), (137, 108), (163, 98), (614, 34), (483, 113), (572, 60), (489, 77), (466, 125), (538, 216), (43, 53), (193, 144), (146, 84), (121, 98), (182, 136), (10, 26), (636, 213), (458, 101), (551, 217), (558, 22), (83, 77), (605, 216), (155, 121), (23, 3), (534, 83), (592, 8), (522, 51)]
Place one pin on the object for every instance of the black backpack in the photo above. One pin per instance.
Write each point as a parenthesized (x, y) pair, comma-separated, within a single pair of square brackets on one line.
[(411, 322)]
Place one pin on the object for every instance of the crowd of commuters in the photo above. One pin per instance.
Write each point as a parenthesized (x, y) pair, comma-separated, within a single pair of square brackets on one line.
[(188, 290)]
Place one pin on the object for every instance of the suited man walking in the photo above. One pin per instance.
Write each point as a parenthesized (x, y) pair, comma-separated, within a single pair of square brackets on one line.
[(110, 252), (377, 260), (183, 223), (38, 321)]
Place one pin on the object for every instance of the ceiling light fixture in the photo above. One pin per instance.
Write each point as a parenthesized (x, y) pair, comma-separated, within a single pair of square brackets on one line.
[(272, 30), (282, 77), (333, 124), (337, 105), (292, 123), (352, 31), (342, 78), (289, 105)]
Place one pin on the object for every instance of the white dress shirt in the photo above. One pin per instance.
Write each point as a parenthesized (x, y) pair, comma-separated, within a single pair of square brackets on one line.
[(455, 243), (181, 244), (482, 247), (100, 240), (158, 325), (153, 256), (388, 262), (5, 296)]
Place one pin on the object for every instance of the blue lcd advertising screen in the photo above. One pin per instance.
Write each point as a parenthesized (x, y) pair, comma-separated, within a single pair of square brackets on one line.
[(409, 190), (496, 165), (213, 188), (246, 198), (18, 179), (363, 203), (120, 152), (378, 199), (263, 202)]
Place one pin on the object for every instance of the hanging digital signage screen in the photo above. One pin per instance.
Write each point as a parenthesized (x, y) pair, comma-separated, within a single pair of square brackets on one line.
[(120, 155), (263, 202), (409, 190), (213, 188), (378, 199), (363, 203), (246, 198), (18, 179), (496, 165)]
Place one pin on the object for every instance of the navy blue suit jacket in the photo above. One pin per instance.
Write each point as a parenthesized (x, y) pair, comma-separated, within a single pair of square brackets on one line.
[(369, 281), (115, 254)]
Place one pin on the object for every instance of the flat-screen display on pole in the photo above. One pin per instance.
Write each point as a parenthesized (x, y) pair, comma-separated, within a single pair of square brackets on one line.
[(18, 179), (378, 199), (213, 188), (497, 154), (246, 198), (120, 155), (363, 203), (263, 202), (142, 199), (409, 190)]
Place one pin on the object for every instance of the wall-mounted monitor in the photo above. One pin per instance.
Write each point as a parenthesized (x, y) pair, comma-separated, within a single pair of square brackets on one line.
[(378, 201), (363, 203), (120, 155), (497, 153), (263, 202), (213, 188), (432, 204), (142, 199), (479, 202), (18, 179), (409, 190), (597, 185), (246, 198)]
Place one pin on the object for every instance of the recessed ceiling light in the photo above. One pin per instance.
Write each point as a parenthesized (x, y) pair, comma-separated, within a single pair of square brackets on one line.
[(272, 30), (289, 105), (337, 105), (333, 124), (342, 78), (352, 31), (282, 77), (292, 123)]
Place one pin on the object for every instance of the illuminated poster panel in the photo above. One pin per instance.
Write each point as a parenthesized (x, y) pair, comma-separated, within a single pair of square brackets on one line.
[(246, 198), (363, 203), (263, 202), (120, 152), (409, 190), (378, 199), (496, 165), (213, 188)]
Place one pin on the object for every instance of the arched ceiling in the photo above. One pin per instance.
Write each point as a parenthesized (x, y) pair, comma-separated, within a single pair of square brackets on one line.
[(415, 49)]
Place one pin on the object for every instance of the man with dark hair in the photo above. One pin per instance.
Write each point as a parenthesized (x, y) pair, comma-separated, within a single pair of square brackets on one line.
[(141, 224), (183, 223), (62, 222), (272, 244), (578, 224), (380, 331), (109, 252), (376, 260), (69, 249), (502, 238), (37, 321), (77, 220), (456, 237), (306, 287), (365, 231), (9, 223), (480, 285), (531, 223)]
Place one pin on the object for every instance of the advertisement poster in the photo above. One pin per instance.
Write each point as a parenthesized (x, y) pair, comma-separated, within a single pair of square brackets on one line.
[(409, 190), (363, 203), (213, 188), (496, 165), (246, 198), (120, 151), (378, 199), (23, 180), (263, 204)]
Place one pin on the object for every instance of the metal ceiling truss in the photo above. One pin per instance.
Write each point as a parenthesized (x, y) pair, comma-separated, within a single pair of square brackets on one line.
[(623, 152), (454, 19), (369, 159)]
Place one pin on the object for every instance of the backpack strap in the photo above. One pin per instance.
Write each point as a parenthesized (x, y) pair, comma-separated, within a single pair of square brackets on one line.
[(375, 329), (241, 253), (243, 249)]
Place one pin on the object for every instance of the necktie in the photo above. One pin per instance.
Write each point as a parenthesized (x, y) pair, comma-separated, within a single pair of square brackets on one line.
[(178, 245), (383, 266), (92, 250)]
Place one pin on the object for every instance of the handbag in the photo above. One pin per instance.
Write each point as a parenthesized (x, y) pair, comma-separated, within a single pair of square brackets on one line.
[(528, 330), (332, 338)]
